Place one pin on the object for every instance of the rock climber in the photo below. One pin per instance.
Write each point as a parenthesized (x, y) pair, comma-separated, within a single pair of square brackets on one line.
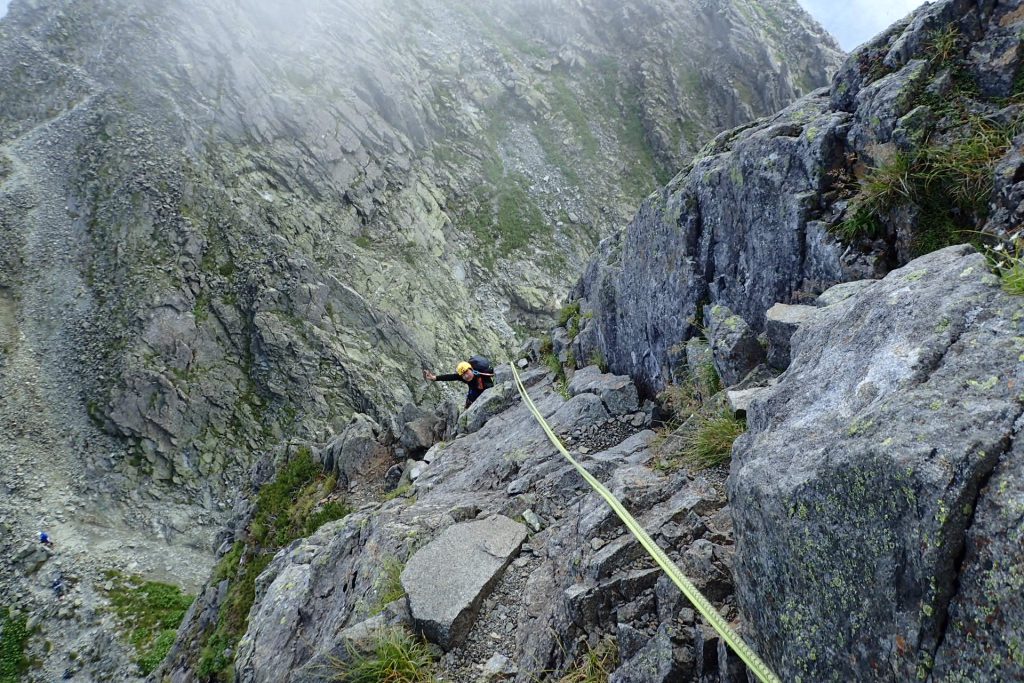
[(477, 372), (44, 538)]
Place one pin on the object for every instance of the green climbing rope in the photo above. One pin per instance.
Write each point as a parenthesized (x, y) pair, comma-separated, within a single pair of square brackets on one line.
[(731, 638)]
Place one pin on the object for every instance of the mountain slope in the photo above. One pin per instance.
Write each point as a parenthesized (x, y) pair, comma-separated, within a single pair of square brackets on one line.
[(226, 228), (279, 214)]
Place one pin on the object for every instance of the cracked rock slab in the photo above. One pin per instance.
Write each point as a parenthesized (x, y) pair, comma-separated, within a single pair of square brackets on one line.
[(448, 578)]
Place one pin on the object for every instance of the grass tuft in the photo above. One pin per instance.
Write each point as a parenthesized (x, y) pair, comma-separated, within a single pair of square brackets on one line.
[(568, 312), (1007, 260), (597, 358), (389, 584), (397, 657), (1013, 279), (596, 665), (398, 492), (709, 442), (709, 429)]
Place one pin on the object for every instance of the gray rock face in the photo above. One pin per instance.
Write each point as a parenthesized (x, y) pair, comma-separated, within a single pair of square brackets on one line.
[(617, 392), (735, 350), (751, 222), (446, 580), (654, 663), (868, 461), (743, 209)]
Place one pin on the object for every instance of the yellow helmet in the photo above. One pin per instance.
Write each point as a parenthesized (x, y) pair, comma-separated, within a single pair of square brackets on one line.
[(462, 367)]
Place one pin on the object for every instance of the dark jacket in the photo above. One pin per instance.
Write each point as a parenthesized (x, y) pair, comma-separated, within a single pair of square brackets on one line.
[(477, 385)]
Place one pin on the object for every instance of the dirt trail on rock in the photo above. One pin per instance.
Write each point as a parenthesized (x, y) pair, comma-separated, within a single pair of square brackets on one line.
[(48, 445)]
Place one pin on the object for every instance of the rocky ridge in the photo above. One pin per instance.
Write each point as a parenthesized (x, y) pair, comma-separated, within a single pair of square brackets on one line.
[(552, 599), (885, 449), (844, 184)]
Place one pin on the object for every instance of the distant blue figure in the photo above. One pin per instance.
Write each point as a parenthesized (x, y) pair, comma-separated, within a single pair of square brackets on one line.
[(45, 539)]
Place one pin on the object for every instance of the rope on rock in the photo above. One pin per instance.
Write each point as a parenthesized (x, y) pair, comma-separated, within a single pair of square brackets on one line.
[(702, 604)]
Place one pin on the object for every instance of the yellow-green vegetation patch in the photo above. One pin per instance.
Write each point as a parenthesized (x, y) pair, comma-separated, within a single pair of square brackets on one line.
[(396, 657), (710, 429), (710, 441), (691, 395), (596, 665), (597, 358), (505, 219), (149, 612), (569, 318), (294, 504), (397, 493), (1013, 279), (13, 638), (555, 366), (1007, 259), (948, 178), (388, 585)]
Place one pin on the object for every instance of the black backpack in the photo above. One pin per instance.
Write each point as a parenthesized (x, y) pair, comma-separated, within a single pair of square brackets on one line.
[(481, 365)]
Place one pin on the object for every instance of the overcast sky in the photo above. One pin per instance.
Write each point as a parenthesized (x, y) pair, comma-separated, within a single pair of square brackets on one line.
[(855, 21)]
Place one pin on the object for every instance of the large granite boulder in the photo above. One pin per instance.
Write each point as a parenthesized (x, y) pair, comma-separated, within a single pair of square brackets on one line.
[(872, 464), (447, 579)]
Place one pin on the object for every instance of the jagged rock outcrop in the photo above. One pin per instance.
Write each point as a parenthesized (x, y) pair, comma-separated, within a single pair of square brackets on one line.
[(845, 184), (884, 538), (735, 350)]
